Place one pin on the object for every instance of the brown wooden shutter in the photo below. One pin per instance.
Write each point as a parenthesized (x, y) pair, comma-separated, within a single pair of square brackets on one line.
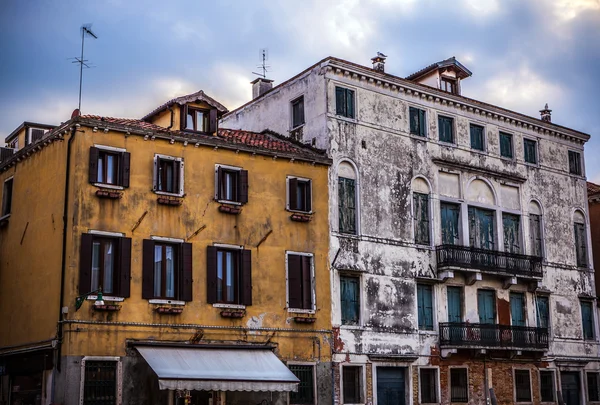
[(124, 275), (85, 263), (212, 121), (183, 121), (309, 196), (219, 184), (148, 269), (26, 135), (186, 263), (246, 282), (125, 158), (243, 187), (306, 283), (293, 193), (93, 173), (294, 281), (211, 274)]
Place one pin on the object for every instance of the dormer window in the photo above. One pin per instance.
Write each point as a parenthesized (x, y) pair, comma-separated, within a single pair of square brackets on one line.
[(197, 120), (33, 135), (449, 85)]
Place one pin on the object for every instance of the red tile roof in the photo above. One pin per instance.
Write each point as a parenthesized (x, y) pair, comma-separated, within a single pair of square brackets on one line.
[(592, 188), (189, 98)]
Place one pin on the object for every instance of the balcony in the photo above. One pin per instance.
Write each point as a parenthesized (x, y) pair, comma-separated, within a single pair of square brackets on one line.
[(472, 259), (489, 336)]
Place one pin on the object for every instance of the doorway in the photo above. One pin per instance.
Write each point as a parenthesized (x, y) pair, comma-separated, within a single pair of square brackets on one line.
[(391, 385), (570, 387)]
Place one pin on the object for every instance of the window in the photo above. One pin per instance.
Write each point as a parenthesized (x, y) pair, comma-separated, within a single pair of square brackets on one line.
[(344, 102), (587, 320), (33, 135), (417, 121), (481, 228), (512, 235), (425, 306), (506, 145), (306, 388), (546, 386), (350, 299), (575, 163), (14, 144), (477, 138), (446, 129), (229, 276), (298, 112), (581, 251), (299, 194), (593, 387), (543, 317), (428, 385), (198, 119), (100, 382), (168, 175), (450, 214), (300, 281), (459, 387), (522, 386), (104, 262), (7, 194), (535, 234), (352, 381), (421, 218), (231, 184), (530, 151), (347, 205), (449, 85), (109, 166), (167, 269)]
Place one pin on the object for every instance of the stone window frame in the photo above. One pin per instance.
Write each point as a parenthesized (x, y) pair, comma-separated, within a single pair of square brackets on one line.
[(537, 150), (581, 163), (291, 102), (542, 225), (553, 371), (434, 318), (426, 110), (438, 386), (513, 134), (484, 140), (313, 364), (450, 383), (341, 84), (363, 387), (180, 160), (586, 386), (119, 382), (357, 200), (408, 380), (588, 240), (313, 283), (454, 117), (361, 296), (287, 193), (431, 216), (4, 212), (514, 370)]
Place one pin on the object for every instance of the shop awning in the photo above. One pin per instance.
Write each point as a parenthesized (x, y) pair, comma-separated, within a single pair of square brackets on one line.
[(218, 369)]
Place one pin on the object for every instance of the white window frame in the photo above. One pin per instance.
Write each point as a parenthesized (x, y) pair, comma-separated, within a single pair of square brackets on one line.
[(540, 370), (437, 383), (485, 144), (181, 175), (29, 136), (291, 104), (119, 377), (450, 382), (110, 149), (361, 297), (226, 167), (4, 196), (287, 193), (14, 144), (363, 384), (314, 368), (514, 370), (312, 283)]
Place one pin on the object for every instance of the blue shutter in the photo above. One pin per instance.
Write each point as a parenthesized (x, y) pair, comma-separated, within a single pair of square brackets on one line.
[(349, 292), (580, 244), (506, 149), (512, 238), (425, 306), (486, 306), (349, 103), (340, 101), (542, 312), (450, 214), (587, 320), (517, 309), (454, 304)]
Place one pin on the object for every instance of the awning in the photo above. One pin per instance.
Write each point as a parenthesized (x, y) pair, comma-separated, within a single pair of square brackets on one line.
[(212, 369)]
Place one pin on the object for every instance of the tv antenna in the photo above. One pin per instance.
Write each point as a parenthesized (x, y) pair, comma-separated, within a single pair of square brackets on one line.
[(264, 57), (86, 29)]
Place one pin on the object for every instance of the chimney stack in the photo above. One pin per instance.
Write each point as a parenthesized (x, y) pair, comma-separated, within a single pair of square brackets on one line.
[(260, 86), (379, 62), (546, 114)]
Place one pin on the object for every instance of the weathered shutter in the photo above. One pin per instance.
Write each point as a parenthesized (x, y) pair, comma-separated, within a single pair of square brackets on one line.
[(148, 269), (219, 185), (473, 234), (542, 312), (124, 275), (350, 101), (183, 117), (587, 320), (425, 307), (511, 233), (293, 194), (27, 135), (36, 134), (246, 282), (421, 218), (301, 111), (211, 274), (422, 124), (517, 309), (306, 283), (349, 300), (125, 158), (212, 121), (347, 205), (294, 281), (243, 187), (414, 120), (454, 295), (535, 235), (186, 272), (308, 196), (580, 245), (340, 102), (85, 263), (93, 167)]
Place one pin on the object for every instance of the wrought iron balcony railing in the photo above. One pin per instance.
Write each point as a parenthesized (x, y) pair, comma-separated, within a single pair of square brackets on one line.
[(457, 334), (489, 260)]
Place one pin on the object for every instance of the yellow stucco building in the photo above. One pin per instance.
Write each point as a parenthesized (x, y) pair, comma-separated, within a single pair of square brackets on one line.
[(198, 257)]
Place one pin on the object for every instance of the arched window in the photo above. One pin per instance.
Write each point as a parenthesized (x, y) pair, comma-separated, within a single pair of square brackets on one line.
[(347, 190), (535, 229), (581, 250), (421, 224)]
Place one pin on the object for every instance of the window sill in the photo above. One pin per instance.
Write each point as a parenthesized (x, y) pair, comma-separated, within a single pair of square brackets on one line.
[(479, 152), (168, 302), (297, 127), (301, 311), (346, 119), (447, 144), (4, 219), (508, 159), (109, 186), (577, 176), (428, 332), (352, 327), (422, 138), (168, 194), (229, 202), (105, 298), (229, 306), (533, 165), (347, 235)]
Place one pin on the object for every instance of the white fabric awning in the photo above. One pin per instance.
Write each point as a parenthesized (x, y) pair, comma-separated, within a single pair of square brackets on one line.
[(217, 369)]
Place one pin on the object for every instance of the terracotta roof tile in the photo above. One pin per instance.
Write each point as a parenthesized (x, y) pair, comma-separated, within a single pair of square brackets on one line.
[(592, 188)]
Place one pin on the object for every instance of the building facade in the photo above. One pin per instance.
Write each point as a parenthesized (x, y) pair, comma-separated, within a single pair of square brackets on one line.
[(459, 239), (192, 264)]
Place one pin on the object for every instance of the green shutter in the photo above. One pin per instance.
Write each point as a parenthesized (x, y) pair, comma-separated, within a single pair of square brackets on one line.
[(421, 218), (511, 227), (347, 205), (425, 306), (349, 297), (530, 151), (450, 214), (506, 149), (587, 320), (414, 120), (535, 234), (476, 137), (350, 103), (446, 129), (481, 228), (580, 244), (542, 312), (340, 101)]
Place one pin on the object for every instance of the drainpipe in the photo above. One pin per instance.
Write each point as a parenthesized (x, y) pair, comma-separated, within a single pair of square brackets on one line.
[(172, 117)]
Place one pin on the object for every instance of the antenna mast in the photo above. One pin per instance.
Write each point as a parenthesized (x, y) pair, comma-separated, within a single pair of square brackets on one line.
[(264, 56), (85, 29)]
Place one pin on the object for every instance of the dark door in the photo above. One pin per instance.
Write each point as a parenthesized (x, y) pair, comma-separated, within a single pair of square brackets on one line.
[(390, 386), (570, 387), (486, 303), (517, 317)]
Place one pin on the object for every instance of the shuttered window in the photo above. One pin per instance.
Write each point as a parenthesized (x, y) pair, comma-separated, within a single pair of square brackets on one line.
[(350, 299), (581, 251), (593, 386), (417, 121), (352, 381), (100, 383), (231, 185), (229, 276), (198, 120), (298, 112), (344, 102), (299, 194), (477, 138), (347, 205), (104, 263), (506, 145), (535, 234), (300, 281), (587, 320), (306, 388), (166, 270), (575, 163), (512, 233), (459, 387), (428, 385), (530, 151), (7, 194), (425, 306), (543, 313), (522, 386), (421, 218), (481, 228), (547, 386), (450, 214), (109, 167), (446, 129), (168, 175)]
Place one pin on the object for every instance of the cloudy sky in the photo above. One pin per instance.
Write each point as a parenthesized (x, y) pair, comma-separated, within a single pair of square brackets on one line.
[(523, 53)]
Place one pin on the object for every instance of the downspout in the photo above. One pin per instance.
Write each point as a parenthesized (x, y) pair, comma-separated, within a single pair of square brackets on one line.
[(172, 117)]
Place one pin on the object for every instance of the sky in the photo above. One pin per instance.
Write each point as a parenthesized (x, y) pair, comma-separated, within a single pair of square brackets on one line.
[(523, 53)]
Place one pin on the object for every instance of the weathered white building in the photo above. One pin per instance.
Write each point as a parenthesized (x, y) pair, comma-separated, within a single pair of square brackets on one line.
[(459, 237)]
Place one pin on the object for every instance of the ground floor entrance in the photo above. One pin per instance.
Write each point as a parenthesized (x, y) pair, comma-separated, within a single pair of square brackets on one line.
[(391, 383), (570, 387)]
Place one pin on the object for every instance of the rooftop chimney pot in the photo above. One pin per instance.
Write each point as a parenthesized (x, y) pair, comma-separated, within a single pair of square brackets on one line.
[(546, 114), (260, 86), (379, 62)]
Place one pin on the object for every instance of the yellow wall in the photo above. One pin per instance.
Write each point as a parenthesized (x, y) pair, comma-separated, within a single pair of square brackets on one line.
[(163, 118)]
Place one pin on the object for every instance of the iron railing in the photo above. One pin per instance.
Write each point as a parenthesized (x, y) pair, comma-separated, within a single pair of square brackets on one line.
[(489, 260), (461, 334)]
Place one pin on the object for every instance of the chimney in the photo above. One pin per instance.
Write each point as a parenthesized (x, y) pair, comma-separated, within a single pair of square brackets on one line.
[(546, 114), (379, 62), (260, 86)]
